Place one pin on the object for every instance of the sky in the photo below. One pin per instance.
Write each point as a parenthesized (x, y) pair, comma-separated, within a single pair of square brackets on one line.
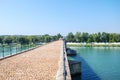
[(37, 17)]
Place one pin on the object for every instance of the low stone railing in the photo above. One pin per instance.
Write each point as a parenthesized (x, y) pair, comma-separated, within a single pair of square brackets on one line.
[(63, 72)]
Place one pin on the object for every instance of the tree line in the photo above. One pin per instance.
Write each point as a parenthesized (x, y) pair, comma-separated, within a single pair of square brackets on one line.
[(95, 37), (77, 37), (22, 39)]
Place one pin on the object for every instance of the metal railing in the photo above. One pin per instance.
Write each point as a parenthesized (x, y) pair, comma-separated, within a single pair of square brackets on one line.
[(9, 50)]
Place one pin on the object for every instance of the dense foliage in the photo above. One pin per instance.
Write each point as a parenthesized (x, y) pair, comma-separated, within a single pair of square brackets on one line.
[(96, 37), (22, 39), (77, 37)]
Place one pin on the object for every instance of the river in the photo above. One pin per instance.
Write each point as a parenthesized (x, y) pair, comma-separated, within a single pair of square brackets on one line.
[(98, 63)]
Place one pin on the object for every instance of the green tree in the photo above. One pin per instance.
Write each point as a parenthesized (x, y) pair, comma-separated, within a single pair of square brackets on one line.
[(105, 37), (59, 36), (34, 39), (1, 40), (95, 37), (90, 39), (117, 37), (84, 37), (23, 40), (47, 39), (54, 38), (99, 39), (78, 37), (8, 40), (70, 37)]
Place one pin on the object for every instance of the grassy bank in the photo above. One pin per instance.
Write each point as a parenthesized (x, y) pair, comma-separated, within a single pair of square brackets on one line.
[(93, 44)]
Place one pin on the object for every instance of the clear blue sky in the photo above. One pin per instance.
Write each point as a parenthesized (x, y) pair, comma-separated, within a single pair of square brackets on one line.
[(58, 16)]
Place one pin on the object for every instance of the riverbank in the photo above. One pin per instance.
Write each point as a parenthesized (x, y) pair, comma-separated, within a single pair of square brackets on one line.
[(94, 44)]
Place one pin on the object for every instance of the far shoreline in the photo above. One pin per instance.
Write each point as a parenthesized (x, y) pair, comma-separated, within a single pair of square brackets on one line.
[(93, 44)]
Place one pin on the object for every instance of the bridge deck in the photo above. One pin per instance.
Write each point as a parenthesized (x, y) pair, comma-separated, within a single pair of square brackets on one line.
[(37, 64)]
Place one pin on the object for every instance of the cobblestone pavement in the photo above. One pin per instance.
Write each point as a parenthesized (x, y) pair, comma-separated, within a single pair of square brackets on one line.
[(37, 64)]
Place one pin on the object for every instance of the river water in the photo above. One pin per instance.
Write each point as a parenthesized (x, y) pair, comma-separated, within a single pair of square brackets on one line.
[(98, 63)]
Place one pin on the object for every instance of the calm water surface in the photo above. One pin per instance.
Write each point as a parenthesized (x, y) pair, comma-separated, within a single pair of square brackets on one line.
[(99, 63)]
